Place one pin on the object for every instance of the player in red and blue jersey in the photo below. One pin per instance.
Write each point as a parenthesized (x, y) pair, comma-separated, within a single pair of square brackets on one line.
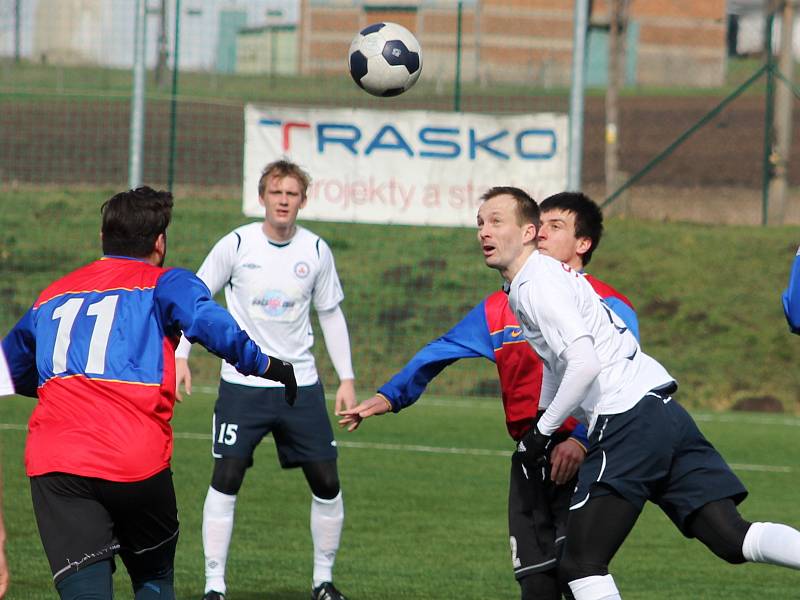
[(571, 228), (97, 349)]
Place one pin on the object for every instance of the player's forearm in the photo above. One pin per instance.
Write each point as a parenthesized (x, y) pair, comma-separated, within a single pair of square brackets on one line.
[(218, 332), (583, 367), (184, 348), (337, 341)]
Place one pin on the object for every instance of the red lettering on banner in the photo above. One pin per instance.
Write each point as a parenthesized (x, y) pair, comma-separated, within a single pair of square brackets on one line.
[(292, 125)]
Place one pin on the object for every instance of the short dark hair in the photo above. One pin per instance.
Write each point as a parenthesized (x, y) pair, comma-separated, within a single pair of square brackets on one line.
[(527, 209), (283, 168), (133, 220), (588, 216)]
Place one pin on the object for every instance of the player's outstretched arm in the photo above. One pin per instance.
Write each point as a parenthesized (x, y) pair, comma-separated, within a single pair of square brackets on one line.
[(183, 375), (345, 396), (352, 417)]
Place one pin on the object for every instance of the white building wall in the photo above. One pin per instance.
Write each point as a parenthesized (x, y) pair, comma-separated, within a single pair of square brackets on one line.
[(101, 32)]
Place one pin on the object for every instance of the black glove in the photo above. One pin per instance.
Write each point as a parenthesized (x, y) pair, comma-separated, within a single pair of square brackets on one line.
[(282, 371), (533, 448)]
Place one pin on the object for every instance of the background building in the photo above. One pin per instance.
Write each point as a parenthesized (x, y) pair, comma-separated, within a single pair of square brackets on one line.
[(675, 43)]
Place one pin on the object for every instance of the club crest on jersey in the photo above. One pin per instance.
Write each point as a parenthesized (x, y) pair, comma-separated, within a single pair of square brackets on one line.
[(273, 303), (302, 270)]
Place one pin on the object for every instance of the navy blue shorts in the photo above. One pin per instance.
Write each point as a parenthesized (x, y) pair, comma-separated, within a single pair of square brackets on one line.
[(654, 451), (244, 414)]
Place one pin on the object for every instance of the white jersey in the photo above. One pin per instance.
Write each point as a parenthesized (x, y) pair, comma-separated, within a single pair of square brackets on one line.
[(269, 288), (6, 384), (555, 306)]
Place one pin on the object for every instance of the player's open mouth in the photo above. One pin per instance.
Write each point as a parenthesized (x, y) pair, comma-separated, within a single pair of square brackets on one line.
[(487, 250)]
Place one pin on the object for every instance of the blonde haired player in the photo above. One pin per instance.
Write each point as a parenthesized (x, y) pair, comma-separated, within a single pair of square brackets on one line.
[(272, 273)]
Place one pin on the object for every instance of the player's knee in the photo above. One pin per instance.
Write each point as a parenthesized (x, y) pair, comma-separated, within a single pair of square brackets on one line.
[(571, 568), (326, 487), (540, 586), (323, 479), (229, 475), (90, 583), (722, 529)]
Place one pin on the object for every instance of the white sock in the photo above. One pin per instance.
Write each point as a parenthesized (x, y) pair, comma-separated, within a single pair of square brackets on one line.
[(217, 529), (327, 517), (596, 587), (772, 543)]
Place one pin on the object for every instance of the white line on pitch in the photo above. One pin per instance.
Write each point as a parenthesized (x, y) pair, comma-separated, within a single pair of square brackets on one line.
[(489, 404), (463, 451), (422, 449)]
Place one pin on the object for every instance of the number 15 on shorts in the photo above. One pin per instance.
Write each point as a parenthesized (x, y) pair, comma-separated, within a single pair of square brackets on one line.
[(227, 433)]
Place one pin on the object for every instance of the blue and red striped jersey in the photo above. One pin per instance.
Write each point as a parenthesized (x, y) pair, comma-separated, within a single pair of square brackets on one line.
[(97, 348), (491, 330)]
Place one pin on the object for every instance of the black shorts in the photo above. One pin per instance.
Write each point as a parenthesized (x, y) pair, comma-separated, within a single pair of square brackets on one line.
[(83, 520), (244, 414), (537, 518), (654, 451)]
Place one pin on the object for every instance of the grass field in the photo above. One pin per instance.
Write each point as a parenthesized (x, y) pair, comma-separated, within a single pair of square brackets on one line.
[(708, 297), (425, 490), (425, 495), (33, 78)]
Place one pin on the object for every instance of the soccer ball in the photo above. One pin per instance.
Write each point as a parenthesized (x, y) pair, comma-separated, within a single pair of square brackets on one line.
[(385, 59)]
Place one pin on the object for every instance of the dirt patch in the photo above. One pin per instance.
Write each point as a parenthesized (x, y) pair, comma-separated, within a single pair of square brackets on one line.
[(769, 404)]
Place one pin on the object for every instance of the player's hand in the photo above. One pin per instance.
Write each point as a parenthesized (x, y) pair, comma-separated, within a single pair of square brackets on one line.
[(345, 396), (352, 417), (533, 448), (565, 460), (3, 562), (282, 372), (3, 574), (183, 374)]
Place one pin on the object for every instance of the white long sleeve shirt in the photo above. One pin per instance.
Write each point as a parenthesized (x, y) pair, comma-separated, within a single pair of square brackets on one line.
[(556, 306), (269, 289)]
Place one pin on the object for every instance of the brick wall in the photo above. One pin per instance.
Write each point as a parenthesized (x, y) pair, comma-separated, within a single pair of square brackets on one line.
[(681, 42)]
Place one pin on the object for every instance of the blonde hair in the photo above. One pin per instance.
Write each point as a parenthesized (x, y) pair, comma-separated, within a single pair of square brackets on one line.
[(283, 168)]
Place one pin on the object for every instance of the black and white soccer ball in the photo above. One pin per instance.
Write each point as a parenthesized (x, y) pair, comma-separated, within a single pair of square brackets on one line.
[(385, 59)]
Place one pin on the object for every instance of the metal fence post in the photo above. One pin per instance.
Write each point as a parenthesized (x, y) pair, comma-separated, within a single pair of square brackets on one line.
[(173, 112), (768, 117), (457, 91), (575, 152), (137, 101)]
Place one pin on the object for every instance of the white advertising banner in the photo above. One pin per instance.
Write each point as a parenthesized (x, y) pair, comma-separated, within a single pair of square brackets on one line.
[(407, 167)]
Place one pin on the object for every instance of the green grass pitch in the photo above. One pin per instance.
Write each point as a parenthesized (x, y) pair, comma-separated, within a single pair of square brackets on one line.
[(425, 497)]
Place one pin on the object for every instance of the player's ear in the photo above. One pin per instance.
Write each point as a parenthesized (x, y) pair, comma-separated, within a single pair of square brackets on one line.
[(304, 200), (261, 200), (583, 245), (529, 233), (161, 243)]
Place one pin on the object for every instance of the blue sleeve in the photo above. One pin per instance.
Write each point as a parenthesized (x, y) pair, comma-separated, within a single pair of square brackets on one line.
[(468, 339), (19, 347), (626, 313), (580, 434), (186, 306), (791, 297)]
